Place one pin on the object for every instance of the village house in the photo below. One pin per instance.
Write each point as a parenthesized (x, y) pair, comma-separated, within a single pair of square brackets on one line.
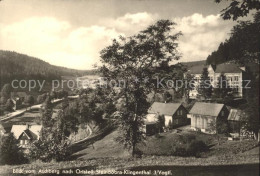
[(26, 134), (207, 116), (175, 115), (233, 73)]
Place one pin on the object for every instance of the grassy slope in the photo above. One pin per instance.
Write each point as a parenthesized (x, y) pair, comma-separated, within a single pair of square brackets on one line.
[(107, 147), (109, 154)]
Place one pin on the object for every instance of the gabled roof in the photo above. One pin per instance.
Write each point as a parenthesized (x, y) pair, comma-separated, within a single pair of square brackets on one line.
[(236, 115), (208, 109), (221, 68), (32, 132), (164, 108), (228, 68)]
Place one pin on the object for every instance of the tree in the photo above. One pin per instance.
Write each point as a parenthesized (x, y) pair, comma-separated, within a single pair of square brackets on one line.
[(167, 97), (136, 60), (218, 127), (46, 113), (205, 88), (242, 46), (49, 147), (3, 100), (160, 122), (41, 98), (53, 95), (188, 87), (9, 151), (238, 8), (67, 121), (252, 106), (53, 143), (29, 100), (6, 91), (9, 106), (222, 88)]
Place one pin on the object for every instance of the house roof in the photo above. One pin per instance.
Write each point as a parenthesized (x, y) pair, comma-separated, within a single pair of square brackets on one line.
[(209, 109), (196, 69), (221, 68), (32, 131), (164, 108), (236, 115), (228, 68)]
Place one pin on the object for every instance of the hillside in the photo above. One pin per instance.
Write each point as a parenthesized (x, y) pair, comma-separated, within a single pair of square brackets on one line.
[(20, 66)]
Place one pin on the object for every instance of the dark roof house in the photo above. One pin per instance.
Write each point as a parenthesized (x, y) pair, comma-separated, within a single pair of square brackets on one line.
[(164, 108)]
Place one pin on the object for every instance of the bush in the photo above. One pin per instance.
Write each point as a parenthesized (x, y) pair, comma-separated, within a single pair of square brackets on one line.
[(9, 151), (196, 147), (189, 147)]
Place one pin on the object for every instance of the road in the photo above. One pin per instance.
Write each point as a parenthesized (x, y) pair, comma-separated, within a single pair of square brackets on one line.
[(21, 111)]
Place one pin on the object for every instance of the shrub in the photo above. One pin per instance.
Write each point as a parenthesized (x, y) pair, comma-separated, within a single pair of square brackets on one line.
[(188, 146), (196, 147), (9, 151)]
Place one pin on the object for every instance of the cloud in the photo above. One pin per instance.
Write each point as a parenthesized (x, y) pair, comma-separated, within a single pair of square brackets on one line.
[(57, 41), (130, 23), (201, 35)]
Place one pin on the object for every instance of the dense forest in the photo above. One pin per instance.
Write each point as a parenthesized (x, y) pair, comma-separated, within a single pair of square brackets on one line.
[(243, 46), (20, 66)]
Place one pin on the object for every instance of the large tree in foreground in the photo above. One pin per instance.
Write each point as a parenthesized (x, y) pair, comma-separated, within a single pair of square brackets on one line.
[(135, 61)]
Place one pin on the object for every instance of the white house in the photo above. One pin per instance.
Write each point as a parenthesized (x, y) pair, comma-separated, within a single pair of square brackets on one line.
[(233, 73), (205, 116)]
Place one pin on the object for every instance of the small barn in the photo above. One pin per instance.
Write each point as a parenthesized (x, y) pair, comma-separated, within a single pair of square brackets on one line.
[(207, 116), (235, 120)]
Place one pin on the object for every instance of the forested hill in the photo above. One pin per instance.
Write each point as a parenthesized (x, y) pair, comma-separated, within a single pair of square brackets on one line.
[(243, 46), (194, 63), (20, 66)]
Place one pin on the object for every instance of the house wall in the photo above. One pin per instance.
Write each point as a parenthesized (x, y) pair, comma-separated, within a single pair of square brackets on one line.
[(151, 118), (180, 117), (201, 122)]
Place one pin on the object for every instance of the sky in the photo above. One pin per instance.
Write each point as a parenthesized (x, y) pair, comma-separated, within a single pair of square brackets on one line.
[(71, 33)]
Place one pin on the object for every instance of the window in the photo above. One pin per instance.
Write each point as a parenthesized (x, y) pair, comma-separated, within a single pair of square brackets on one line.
[(222, 113), (236, 78), (235, 89), (211, 79), (180, 112), (21, 142)]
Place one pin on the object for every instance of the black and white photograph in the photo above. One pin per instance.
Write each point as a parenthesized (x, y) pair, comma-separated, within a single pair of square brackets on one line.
[(129, 87)]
